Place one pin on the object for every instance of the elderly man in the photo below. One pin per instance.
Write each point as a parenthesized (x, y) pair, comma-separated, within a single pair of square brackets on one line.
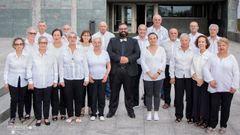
[(66, 30), (158, 29), (213, 38), (42, 27), (170, 46), (143, 43), (124, 52), (193, 35)]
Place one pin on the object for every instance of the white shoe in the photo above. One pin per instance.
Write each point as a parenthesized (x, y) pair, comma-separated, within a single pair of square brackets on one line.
[(149, 116), (92, 118), (101, 118), (156, 117)]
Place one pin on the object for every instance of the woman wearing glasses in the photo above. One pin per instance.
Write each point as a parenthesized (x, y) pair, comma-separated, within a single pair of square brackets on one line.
[(15, 79)]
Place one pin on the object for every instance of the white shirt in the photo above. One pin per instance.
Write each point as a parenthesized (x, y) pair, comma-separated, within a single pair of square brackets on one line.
[(65, 40), (193, 38), (42, 70), (224, 71), (153, 63), (162, 33), (104, 37), (97, 64), (170, 47), (73, 66), (213, 48), (143, 44), (180, 63), (85, 49), (56, 51), (16, 67), (30, 48), (198, 63), (48, 36)]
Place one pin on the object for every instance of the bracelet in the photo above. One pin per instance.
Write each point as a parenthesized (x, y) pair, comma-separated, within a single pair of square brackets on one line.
[(158, 72)]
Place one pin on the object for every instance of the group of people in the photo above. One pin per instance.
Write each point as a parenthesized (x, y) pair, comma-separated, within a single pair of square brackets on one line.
[(45, 66)]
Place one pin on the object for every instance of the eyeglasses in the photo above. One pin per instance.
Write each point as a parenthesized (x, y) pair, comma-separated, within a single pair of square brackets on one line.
[(18, 44), (32, 33)]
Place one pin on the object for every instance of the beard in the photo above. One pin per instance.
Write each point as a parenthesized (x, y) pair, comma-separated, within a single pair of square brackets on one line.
[(123, 34)]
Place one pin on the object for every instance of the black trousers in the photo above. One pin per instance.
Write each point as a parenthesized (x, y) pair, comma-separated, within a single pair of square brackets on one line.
[(55, 101), (97, 91), (43, 98), (29, 102), (167, 87), (62, 105), (17, 95), (201, 103), (120, 78), (74, 93), (181, 85), (224, 100), (86, 92), (136, 87), (153, 91)]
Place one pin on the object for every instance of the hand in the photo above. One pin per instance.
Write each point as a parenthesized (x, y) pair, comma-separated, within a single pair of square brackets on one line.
[(91, 79), (54, 85), (151, 75), (30, 86), (105, 78), (6, 87), (62, 84), (213, 84), (172, 80), (232, 90), (200, 82), (85, 83), (156, 75), (123, 60)]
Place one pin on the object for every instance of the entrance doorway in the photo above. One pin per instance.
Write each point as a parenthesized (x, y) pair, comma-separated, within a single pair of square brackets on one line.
[(140, 15)]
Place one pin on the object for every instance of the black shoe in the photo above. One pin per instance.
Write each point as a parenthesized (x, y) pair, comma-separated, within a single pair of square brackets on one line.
[(11, 121), (38, 123), (189, 121), (47, 122), (131, 115), (178, 120), (110, 115), (55, 118), (63, 117), (27, 117)]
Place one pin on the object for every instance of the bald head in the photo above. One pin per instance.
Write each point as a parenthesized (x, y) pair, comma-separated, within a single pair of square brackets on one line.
[(102, 27), (193, 27), (157, 21)]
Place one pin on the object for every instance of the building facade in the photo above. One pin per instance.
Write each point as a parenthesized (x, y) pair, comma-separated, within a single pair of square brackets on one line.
[(17, 15)]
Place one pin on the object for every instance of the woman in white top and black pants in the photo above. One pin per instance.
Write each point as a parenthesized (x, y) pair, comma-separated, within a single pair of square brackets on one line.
[(42, 74), (222, 74), (153, 62), (99, 68), (180, 73), (74, 75), (200, 94), (15, 78)]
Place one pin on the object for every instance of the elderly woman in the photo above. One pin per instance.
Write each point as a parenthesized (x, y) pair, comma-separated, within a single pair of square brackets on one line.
[(56, 49), (222, 74), (30, 48), (74, 75), (153, 74), (42, 74), (99, 68), (86, 46), (15, 79), (200, 94), (180, 74)]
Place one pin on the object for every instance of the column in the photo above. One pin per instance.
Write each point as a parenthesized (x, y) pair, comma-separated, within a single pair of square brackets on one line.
[(36, 12), (74, 15)]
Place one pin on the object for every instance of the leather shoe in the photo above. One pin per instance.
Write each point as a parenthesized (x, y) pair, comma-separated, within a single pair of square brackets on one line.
[(110, 115), (131, 115)]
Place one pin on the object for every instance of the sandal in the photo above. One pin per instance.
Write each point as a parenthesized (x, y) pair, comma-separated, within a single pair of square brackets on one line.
[(78, 120), (165, 106), (178, 120), (69, 120)]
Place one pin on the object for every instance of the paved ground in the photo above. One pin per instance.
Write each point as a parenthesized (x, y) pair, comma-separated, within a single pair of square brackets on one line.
[(121, 124)]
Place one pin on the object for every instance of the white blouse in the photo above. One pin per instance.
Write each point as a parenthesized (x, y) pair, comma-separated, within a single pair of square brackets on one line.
[(42, 70), (213, 48), (192, 44), (180, 63), (73, 66), (170, 47), (16, 67), (30, 48), (198, 63), (104, 37), (162, 33), (153, 63), (97, 64), (224, 71), (85, 49)]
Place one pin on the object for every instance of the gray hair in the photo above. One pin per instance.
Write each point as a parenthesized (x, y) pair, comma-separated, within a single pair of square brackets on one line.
[(74, 33), (184, 35), (41, 38), (213, 25), (30, 29), (96, 37)]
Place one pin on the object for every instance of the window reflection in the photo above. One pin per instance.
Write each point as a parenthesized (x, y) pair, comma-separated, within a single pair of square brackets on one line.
[(180, 11), (149, 15)]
